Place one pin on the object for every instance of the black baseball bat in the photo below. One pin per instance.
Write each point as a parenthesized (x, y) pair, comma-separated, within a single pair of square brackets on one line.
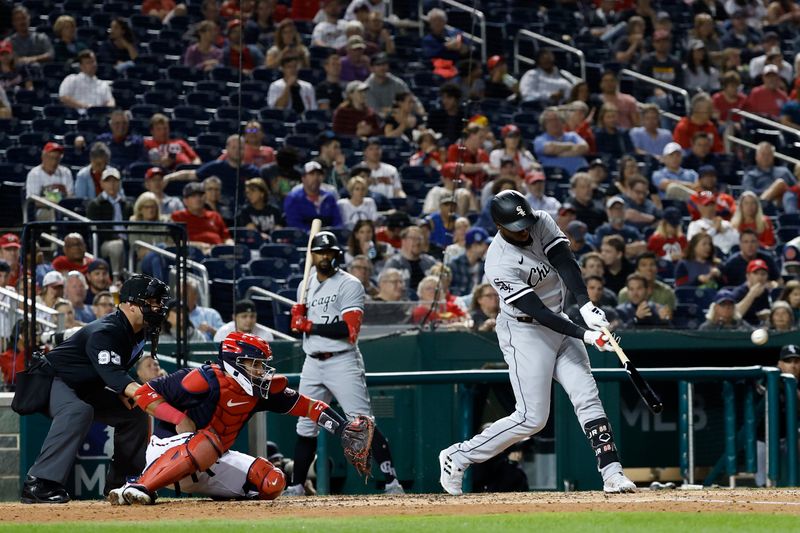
[(644, 389)]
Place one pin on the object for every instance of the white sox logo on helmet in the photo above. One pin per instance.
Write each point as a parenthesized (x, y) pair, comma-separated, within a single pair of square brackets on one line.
[(521, 211), (324, 239)]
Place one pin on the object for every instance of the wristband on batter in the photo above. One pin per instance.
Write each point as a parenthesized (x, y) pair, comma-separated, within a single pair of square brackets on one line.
[(167, 413)]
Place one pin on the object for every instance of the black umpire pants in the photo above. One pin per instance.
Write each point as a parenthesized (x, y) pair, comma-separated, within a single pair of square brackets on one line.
[(72, 418)]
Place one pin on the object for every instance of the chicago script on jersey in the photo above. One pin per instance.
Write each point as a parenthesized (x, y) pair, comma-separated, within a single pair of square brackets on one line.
[(537, 274)]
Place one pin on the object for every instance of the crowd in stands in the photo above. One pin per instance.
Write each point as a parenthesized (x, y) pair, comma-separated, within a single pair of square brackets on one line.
[(245, 120)]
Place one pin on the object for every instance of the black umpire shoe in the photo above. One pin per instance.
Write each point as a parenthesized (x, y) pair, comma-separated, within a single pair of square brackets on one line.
[(37, 490)]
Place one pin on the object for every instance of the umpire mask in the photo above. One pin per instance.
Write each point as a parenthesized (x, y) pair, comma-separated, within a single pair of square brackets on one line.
[(141, 291)]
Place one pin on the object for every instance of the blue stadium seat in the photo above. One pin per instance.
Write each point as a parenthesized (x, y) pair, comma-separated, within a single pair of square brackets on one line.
[(11, 201), (55, 126), (266, 75), (264, 310), (211, 86), (294, 281), (26, 155), (284, 115), (787, 233), (206, 99), (206, 152), (144, 111), (142, 71), (13, 172), (223, 268), (163, 47), (228, 127), (247, 236), (414, 188), (695, 295), (182, 73), (189, 112), (285, 251), (212, 138), (136, 170), (11, 126), (788, 219), (311, 127), (239, 252), (34, 138), (223, 292), (342, 235), (77, 205), (319, 115), (687, 316), (226, 74), (99, 112), (23, 111), (274, 267), (230, 112), (301, 141), (93, 125), (161, 98), (256, 86), (246, 282)]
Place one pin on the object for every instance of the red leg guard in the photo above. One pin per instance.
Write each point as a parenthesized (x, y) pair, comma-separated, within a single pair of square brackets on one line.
[(196, 455), (268, 480)]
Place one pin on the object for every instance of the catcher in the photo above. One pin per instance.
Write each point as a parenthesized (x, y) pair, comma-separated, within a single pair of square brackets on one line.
[(219, 399)]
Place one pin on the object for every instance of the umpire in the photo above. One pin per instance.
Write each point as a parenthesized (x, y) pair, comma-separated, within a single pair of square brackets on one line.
[(91, 382)]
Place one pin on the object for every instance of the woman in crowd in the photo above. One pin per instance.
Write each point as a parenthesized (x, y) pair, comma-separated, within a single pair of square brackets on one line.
[(705, 31), (359, 206), (259, 214), (362, 242), (484, 308), (87, 181), (204, 54), (65, 308), (791, 295), (260, 29), (120, 48), (698, 73), (628, 168), (609, 137), (65, 45), (668, 240), (429, 153), (701, 266), (287, 41), (169, 328), (147, 208), (459, 244), (749, 215), (514, 147), (402, 120), (781, 316), (12, 75)]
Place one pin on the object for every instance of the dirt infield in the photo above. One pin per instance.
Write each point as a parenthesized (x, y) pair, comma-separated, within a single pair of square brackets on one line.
[(774, 501)]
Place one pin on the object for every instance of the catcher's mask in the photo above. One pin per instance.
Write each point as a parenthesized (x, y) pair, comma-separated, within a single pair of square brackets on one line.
[(245, 357)]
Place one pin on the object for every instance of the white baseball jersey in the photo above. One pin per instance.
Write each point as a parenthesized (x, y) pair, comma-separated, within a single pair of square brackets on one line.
[(327, 302), (516, 271)]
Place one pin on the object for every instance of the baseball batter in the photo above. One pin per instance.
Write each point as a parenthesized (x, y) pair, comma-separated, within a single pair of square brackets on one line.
[(531, 267), (333, 368)]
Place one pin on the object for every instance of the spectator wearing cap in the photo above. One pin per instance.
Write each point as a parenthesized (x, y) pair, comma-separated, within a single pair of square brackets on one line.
[(9, 252), (672, 180), (429, 153), (383, 87), (513, 147), (467, 268), (259, 213), (639, 311), (359, 206), (50, 179), (384, 178), (74, 257), (110, 204), (29, 46), (660, 63), (448, 118), (394, 222), (558, 148), (89, 178), (500, 84), (615, 211), (640, 211), (310, 201), (238, 55), (442, 222), (204, 227), (772, 55), (722, 233), (84, 90), (722, 315), (126, 147), (699, 119), (155, 183), (354, 116), (75, 291), (52, 289), (658, 292), (245, 320), (330, 31), (707, 182), (668, 241), (452, 184), (735, 267), (289, 91), (576, 232), (355, 64), (768, 180), (581, 200), (753, 296), (329, 93), (544, 84), (700, 154), (98, 277), (750, 216), (535, 180), (228, 170), (441, 42), (729, 98), (649, 138), (164, 151), (740, 34), (768, 98)]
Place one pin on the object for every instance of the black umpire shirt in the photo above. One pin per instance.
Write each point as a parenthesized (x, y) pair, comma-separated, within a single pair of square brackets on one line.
[(99, 355)]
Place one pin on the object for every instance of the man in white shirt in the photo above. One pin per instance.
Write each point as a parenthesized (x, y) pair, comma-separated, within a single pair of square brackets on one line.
[(245, 320), (85, 90), (544, 83), (723, 235), (330, 33), (384, 178), (50, 180), (536, 196), (290, 92), (371, 5)]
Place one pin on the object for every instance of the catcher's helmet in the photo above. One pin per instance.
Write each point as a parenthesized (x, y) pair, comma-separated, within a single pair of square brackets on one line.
[(512, 211), (255, 377)]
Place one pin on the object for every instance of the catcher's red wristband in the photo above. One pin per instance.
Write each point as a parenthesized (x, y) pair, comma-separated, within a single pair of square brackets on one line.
[(167, 413)]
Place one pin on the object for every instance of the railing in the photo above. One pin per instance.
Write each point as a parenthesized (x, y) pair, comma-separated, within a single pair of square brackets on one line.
[(658, 83), (55, 240), (64, 211), (278, 298), (6, 298), (474, 12), (767, 122), (527, 34), (686, 378), (748, 144), (203, 286)]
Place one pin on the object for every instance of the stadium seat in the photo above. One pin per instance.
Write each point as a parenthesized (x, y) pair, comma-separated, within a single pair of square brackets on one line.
[(224, 126), (247, 236), (284, 115), (695, 295), (295, 236), (274, 267), (788, 219), (206, 99), (144, 110), (206, 152), (26, 155), (243, 284), (285, 251), (787, 233), (183, 74), (190, 112), (12, 197), (223, 293), (13, 172), (212, 138), (238, 252)]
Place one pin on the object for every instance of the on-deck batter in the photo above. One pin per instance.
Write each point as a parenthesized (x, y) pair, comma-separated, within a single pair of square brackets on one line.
[(530, 265)]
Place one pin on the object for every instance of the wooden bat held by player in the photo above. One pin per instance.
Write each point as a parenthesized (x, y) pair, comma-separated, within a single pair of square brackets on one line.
[(642, 387), (316, 225)]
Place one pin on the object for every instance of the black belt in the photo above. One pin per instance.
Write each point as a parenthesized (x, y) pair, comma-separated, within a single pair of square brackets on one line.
[(324, 356), (525, 319)]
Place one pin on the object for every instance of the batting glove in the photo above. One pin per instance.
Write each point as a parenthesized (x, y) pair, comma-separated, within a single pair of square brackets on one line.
[(594, 317), (598, 339), (301, 324), (299, 310)]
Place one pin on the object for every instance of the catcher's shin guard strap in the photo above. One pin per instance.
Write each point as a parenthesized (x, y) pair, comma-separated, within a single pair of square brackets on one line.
[(602, 440), (267, 480), (196, 455)]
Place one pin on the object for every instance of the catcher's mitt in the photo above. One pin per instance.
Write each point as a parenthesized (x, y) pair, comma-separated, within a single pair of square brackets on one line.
[(357, 443)]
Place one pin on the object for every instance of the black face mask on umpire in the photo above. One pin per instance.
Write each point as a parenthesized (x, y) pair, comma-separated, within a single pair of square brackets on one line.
[(141, 290)]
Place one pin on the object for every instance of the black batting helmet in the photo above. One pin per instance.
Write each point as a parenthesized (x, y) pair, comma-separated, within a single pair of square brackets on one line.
[(323, 241), (512, 211)]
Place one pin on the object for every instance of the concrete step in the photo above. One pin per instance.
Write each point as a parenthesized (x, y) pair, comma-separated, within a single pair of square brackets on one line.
[(9, 488)]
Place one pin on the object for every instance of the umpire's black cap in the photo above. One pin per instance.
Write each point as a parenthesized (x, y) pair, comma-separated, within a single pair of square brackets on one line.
[(324, 241), (512, 211)]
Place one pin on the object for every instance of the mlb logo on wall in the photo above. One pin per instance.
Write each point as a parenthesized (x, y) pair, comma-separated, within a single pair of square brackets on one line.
[(93, 460)]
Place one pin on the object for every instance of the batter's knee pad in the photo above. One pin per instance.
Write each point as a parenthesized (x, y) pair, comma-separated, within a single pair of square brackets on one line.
[(197, 454), (602, 440), (268, 480)]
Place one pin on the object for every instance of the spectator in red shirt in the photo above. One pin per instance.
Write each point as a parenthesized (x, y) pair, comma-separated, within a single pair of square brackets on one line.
[(768, 98), (74, 255), (707, 181), (165, 152), (580, 121), (9, 252), (474, 158), (304, 9), (730, 97), (12, 361), (254, 152), (203, 226), (354, 116), (163, 10), (668, 241), (698, 120), (239, 55), (626, 104)]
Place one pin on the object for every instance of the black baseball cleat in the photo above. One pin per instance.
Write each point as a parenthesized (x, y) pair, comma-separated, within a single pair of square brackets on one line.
[(37, 490)]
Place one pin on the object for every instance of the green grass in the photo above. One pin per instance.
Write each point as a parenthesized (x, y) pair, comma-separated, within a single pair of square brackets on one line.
[(594, 522)]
